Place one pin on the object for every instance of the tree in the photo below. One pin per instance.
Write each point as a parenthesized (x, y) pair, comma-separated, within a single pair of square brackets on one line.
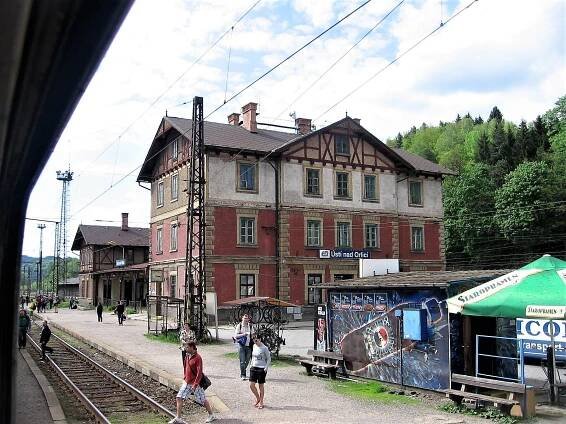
[(468, 210), (483, 154), (478, 120), (495, 114), (520, 201)]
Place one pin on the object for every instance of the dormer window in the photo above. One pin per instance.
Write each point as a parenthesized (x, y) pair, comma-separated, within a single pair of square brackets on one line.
[(341, 144)]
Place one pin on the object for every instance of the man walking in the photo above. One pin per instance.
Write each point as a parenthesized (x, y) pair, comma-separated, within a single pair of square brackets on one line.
[(120, 312), (44, 339), (24, 325), (99, 311), (191, 385)]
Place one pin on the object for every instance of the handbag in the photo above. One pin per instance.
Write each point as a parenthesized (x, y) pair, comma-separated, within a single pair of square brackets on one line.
[(242, 341), (205, 382)]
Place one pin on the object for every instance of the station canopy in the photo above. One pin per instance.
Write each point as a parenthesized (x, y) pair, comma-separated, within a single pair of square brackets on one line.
[(537, 290)]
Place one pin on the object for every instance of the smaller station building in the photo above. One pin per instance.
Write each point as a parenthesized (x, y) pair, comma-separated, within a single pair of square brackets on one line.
[(113, 263)]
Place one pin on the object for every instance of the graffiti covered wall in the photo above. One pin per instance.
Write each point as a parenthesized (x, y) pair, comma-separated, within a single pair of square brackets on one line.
[(365, 328)]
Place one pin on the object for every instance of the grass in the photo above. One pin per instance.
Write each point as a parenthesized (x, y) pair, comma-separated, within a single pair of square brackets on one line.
[(368, 390), (493, 414), (282, 361), (138, 418), (169, 337)]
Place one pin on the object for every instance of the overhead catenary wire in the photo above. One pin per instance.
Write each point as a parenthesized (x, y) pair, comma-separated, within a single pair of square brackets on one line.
[(397, 58), (171, 85), (333, 65)]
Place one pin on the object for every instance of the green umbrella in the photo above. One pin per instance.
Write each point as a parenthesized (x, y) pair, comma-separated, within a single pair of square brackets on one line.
[(537, 290)]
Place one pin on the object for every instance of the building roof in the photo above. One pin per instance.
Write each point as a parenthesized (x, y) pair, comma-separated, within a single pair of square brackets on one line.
[(423, 164), (73, 281), (415, 279), (135, 267), (110, 235)]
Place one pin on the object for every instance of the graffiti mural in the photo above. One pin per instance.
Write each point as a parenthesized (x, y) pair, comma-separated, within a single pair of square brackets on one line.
[(370, 336)]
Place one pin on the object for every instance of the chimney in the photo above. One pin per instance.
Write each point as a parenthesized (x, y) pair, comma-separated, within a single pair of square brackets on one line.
[(124, 221), (234, 119), (303, 125), (357, 120), (249, 117)]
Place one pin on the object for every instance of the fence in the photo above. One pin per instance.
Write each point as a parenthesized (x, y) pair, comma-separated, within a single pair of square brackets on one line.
[(503, 361)]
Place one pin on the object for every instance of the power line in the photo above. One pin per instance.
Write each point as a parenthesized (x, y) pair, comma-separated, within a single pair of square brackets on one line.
[(430, 34), (339, 59), (160, 96)]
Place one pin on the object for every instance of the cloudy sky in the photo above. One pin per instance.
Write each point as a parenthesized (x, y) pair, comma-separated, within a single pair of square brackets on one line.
[(509, 53)]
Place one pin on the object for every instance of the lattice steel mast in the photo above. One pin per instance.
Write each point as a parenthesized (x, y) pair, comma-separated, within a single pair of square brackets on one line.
[(66, 177), (195, 277)]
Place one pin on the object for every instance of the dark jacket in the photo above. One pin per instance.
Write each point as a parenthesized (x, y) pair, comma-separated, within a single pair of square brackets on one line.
[(45, 335), (24, 322), (99, 309), (120, 309)]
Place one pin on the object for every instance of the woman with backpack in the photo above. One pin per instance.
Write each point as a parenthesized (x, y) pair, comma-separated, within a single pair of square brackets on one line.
[(242, 336)]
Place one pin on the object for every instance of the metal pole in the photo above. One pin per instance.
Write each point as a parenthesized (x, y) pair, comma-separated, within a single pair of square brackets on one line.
[(41, 228), (553, 386), (477, 347)]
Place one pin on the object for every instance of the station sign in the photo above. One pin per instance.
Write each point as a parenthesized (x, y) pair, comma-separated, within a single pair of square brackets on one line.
[(343, 254), (120, 263)]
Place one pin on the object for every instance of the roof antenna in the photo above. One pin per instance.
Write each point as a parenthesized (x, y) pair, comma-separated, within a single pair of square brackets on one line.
[(166, 112), (346, 114)]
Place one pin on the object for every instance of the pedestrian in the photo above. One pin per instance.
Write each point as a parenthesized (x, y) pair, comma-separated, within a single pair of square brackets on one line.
[(22, 301), (50, 301), (242, 336), (99, 311), (27, 299), (56, 303), (44, 339), (120, 312), (261, 360), (191, 385), (24, 325), (185, 336)]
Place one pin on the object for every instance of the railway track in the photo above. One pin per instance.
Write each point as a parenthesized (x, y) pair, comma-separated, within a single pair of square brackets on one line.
[(102, 393)]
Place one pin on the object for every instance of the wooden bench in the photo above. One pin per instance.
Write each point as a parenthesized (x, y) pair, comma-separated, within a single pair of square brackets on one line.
[(516, 394), (323, 362)]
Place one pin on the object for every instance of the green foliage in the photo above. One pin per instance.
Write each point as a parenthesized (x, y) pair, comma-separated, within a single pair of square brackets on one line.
[(493, 414), (521, 166), (520, 202), (169, 337)]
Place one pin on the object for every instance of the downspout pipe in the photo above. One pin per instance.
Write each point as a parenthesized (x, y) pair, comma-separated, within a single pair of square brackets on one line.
[(276, 170)]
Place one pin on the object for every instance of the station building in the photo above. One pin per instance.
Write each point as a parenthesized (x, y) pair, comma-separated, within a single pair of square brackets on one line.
[(288, 211), (113, 263)]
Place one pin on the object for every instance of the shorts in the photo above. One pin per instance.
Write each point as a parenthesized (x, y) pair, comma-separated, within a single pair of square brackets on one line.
[(187, 390), (257, 375)]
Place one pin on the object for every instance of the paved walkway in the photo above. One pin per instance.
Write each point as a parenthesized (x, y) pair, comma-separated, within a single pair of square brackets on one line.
[(291, 397)]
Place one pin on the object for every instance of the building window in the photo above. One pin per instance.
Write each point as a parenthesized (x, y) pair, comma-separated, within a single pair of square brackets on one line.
[(160, 194), (174, 236), (314, 293), (174, 187), (314, 233), (370, 188), (247, 176), (341, 144), (371, 235), (247, 285), (175, 149), (159, 239), (173, 286), (415, 193), (343, 234), (417, 238), (312, 183), (247, 230), (342, 184)]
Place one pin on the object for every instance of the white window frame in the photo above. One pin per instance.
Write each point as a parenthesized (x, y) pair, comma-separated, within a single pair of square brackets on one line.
[(366, 239), (348, 195), (175, 149), (174, 241), (420, 182), (313, 287), (414, 241), (364, 192), (255, 167), (246, 241), (159, 241), (308, 239), (347, 139), (174, 187), (173, 292), (348, 234), (306, 182), (160, 194)]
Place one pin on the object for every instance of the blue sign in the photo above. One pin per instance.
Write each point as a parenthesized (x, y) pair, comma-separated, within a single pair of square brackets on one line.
[(536, 337), (415, 324)]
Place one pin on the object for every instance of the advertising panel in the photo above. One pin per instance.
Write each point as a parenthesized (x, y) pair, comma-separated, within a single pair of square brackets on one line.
[(536, 336)]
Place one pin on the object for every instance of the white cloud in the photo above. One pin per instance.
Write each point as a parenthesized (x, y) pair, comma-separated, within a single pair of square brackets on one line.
[(500, 52)]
